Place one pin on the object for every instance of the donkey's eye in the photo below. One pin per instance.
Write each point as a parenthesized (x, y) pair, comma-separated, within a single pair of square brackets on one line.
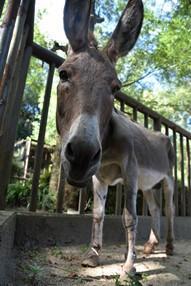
[(63, 75)]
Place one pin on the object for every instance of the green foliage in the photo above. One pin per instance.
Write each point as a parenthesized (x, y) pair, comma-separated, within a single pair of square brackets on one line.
[(47, 199), (34, 273), (173, 55), (34, 88), (129, 281), (18, 194), (174, 103), (51, 132), (3, 11), (157, 71)]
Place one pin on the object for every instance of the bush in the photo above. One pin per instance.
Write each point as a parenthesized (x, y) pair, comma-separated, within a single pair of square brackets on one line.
[(47, 199), (19, 192)]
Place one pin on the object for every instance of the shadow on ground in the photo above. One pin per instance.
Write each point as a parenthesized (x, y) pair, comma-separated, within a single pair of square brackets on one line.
[(62, 266)]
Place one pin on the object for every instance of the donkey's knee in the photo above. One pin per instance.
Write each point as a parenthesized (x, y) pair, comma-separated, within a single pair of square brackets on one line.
[(129, 220)]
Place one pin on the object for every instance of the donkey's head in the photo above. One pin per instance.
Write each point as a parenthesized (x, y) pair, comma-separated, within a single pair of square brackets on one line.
[(88, 83)]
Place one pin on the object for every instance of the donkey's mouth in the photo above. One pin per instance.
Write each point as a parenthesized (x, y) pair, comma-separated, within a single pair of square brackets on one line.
[(78, 184), (79, 177)]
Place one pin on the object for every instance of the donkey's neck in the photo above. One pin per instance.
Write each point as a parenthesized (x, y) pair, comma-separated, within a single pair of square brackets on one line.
[(106, 141)]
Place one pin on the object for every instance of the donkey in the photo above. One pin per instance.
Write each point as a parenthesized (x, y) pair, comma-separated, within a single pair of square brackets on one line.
[(99, 141)]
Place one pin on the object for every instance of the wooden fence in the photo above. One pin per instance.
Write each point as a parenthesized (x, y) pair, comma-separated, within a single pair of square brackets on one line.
[(16, 49)]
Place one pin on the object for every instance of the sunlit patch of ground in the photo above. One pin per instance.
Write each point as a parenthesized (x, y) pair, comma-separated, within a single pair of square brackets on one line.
[(62, 266)]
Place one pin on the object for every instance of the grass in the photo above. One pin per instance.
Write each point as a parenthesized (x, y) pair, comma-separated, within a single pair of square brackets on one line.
[(131, 280)]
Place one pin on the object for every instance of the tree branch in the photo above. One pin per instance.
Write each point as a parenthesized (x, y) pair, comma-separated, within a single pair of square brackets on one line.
[(125, 84)]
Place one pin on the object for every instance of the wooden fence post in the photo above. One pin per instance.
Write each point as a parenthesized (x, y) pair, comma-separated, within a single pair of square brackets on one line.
[(41, 136), (82, 200), (12, 90), (60, 191), (119, 194), (182, 196)]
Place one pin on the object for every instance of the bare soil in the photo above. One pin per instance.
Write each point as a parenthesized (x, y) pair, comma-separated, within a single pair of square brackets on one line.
[(61, 266)]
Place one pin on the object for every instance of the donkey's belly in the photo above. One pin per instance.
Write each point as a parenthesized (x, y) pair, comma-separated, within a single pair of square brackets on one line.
[(111, 174), (147, 179)]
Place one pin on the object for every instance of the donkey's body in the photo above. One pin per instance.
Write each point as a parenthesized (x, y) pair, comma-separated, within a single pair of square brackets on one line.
[(139, 159), (101, 142), (153, 155)]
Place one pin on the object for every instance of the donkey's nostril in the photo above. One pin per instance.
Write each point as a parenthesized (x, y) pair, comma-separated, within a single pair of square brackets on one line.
[(96, 157), (82, 153), (70, 155)]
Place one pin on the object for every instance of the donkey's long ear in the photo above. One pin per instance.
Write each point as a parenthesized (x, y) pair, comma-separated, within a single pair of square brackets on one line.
[(127, 30), (76, 22)]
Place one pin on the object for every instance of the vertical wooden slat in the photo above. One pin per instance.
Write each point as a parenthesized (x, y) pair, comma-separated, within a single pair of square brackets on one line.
[(9, 72), (122, 106), (144, 207), (8, 137), (13, 88), (27, 154), (146, 120), (183, 201), (166, 130), (82, 200), (144, 203), (157, 127), (6, 32), (157, 124), (119, 193), (189, 175), (176, 191), (60, 191), (41, 136), (135, 114)]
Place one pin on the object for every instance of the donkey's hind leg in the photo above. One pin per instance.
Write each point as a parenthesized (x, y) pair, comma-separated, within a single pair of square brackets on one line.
[(154, 209), (168, 185)]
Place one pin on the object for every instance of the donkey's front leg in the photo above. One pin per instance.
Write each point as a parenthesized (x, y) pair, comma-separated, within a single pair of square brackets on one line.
[(130, 224), (91, 258)]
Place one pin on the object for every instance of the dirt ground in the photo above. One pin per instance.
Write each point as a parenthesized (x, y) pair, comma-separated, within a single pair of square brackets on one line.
[(60, 266)]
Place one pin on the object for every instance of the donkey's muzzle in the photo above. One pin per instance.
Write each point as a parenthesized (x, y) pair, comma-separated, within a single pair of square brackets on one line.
[(83, 158), (77, 152)]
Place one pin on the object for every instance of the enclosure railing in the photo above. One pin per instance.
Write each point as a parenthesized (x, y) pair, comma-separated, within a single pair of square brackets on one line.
[(16, 49)]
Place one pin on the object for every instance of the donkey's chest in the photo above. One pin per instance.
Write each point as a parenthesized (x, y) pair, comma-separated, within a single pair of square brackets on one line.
[(110, 174)]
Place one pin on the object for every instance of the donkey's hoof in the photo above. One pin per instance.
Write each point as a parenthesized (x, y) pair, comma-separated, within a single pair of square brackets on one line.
[(127, 275), (91, 259), (149, 248), (169, 249)]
